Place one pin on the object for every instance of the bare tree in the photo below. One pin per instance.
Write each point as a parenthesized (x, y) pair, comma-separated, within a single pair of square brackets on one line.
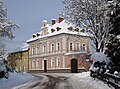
[(91, 15)]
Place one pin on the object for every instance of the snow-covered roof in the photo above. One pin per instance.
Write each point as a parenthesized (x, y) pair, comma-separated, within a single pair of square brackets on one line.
[(63, 29), (25, 47)]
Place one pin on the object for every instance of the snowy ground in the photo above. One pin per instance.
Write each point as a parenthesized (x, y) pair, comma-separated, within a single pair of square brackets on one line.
[(15, 79), (86, 82), (74, 81)]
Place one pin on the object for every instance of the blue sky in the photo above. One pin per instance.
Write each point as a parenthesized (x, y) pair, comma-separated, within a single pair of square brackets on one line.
[(29, 14)]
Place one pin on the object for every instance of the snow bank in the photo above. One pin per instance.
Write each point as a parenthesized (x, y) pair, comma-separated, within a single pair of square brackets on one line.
[(86, 82), (15, 79)]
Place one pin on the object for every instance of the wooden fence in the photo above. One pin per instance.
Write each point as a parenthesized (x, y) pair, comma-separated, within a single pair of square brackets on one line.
[(110, 79)]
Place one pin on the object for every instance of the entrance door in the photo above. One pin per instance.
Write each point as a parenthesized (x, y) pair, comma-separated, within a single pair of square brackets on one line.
[(74, 65), (45, 65)]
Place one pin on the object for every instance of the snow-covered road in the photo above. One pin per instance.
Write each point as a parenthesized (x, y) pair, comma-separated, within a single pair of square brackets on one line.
[(52, 81), (65, 81)]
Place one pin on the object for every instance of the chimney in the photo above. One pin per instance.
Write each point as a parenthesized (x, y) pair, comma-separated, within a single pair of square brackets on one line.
[(53, 21), (61, 19)]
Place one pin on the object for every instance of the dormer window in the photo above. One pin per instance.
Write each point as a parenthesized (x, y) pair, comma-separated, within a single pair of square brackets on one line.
[(38, 34), (52, 30), (58, 28), (83, 30), (70, 28), (77, 29), (33, 35)]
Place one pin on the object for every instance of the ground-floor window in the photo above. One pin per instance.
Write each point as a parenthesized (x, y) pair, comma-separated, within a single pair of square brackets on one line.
[(37, 63), (33, 64), (52, 62)]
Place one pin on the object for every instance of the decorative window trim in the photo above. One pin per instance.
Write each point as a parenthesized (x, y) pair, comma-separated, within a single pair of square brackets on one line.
[(84, 49), (58, 46), (71, 45), (37, 63), (52, 62), (58, 61), (44, 48), (33, 51), (78, 46), (52, 47), (37, 49), (33, 63)]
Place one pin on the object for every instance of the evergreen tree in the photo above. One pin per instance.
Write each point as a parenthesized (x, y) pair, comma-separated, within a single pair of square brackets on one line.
[(113, 45)]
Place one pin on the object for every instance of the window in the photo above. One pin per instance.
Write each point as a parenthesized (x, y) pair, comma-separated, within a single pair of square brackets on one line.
[(58, 62), (52, 47), (44, 49), (71, 46), (33, 51), (37, 50), (52, 62), (37, 63), (77, 46), (58, 47), (25, 65), (83, 47), (20, 65), (33, 64)]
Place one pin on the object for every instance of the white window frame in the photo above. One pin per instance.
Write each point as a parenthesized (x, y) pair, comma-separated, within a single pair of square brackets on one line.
[(33, 63), (52, 47), (52, 62), (84, 47), (25, 63), (71, 45), (20, 64), (37, 49), (58, 46), (44, 48), (58, 62), (37, 63), (33, 51), (78, 46)]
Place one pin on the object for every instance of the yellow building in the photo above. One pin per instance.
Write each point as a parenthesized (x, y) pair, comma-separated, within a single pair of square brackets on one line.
[(19, 61)]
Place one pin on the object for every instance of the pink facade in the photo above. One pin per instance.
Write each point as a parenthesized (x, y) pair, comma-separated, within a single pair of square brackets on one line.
[(54, 51)]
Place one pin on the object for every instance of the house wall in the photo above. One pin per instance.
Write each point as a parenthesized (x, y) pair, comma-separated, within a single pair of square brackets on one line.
[(36, 58), (21, 58)]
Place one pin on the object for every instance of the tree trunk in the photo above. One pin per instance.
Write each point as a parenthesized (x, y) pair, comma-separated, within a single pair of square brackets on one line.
[(96, 44)]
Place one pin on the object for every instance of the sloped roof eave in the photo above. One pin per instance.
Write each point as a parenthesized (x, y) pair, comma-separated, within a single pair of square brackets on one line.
[(28, 41)]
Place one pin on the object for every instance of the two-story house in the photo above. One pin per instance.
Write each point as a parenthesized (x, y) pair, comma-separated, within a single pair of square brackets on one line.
[(59, 47)]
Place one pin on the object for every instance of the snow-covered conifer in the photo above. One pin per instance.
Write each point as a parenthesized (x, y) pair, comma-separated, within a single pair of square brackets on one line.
[(113, 45)]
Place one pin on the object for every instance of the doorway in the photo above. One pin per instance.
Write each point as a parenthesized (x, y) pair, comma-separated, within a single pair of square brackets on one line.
[(74, 65), (45, 65)]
